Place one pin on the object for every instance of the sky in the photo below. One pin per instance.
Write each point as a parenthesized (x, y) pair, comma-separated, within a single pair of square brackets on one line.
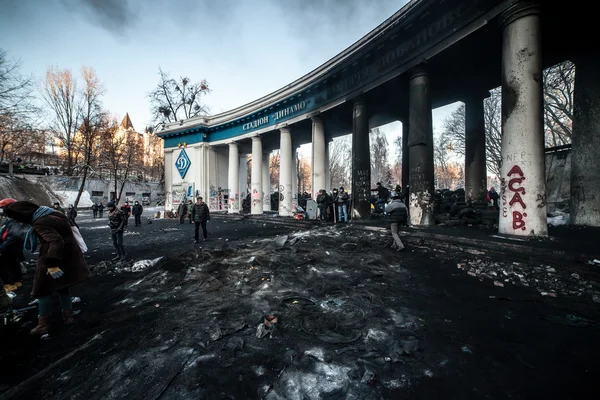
[(245, 49)]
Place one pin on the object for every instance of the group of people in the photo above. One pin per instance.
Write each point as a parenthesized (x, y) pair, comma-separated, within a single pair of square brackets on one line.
[(60, 264), (333, 207)]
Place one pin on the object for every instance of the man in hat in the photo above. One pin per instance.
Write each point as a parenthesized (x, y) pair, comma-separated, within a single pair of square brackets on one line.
[(137, 213), (200, 215), (116, 222)]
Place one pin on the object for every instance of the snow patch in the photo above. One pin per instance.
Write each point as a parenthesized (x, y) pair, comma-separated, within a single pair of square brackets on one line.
[(68, 197)]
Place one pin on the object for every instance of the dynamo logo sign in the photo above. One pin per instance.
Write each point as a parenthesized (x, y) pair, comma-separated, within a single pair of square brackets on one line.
[(182, 163)]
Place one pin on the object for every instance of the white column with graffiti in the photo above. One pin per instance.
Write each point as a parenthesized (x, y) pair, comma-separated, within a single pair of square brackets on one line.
[(319, 168), (285, 172), (256, 202), (523, 187), (233, 176), (266, 182)]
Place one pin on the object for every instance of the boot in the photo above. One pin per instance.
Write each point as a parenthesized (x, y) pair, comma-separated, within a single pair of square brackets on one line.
[(68, 317), (42, 327)]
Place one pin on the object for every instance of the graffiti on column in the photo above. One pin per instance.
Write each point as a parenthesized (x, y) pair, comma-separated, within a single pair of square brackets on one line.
[(363, 186), (256, 197), (213, 200), (516, 178)]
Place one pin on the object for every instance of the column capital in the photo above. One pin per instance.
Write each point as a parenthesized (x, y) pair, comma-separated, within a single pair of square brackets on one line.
[(359, 100), (256, 137), (284, 129), (316, 118), (419, 70), (519, 9)]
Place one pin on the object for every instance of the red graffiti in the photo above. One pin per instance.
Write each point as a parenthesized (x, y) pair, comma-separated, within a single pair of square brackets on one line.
[(517, 199), (515, 170), (514, 185), (518, 222)]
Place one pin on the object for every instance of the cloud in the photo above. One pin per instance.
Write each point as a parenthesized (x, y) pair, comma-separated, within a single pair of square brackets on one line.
[(115, 16)]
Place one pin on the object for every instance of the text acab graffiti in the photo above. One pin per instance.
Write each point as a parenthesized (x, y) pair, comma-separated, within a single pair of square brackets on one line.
[(515, 180)]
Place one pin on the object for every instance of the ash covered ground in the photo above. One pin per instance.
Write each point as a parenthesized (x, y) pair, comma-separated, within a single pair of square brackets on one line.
[(355, 320)]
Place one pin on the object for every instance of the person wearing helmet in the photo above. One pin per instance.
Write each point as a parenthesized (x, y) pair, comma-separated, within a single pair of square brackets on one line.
[(397, 212)]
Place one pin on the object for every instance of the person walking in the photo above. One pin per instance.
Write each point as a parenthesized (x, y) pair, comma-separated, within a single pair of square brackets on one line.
[(60, 264), (95, 210), (116, 222), (200, 215), (100, 209), (182, 210), (127, 211), (398, 213), (137, 213)]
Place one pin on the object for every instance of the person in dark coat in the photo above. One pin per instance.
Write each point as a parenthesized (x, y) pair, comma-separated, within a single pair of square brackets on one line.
[(493, 197), (11, 251), (323, 201), (117, 221), (200, 215), (57, 207), (137, 213), (100, 209), (182, 210), (95, 210), (397, 211), (127, 211), (72, 214), (60, 264)]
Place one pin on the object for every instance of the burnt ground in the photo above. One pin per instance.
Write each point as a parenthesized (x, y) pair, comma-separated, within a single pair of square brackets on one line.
[(356, 320)]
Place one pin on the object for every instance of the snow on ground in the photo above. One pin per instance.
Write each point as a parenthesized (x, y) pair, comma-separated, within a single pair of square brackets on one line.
[(68, 197)]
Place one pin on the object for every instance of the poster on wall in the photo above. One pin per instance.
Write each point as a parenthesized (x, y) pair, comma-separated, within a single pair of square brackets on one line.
[(182, 192)]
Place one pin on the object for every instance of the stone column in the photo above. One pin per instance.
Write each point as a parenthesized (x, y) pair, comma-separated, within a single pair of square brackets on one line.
[(256, 203), (168, 179), (243, 184), (286, 160), (475, 169), (327, 186), (361, 162), (319, 158), (522, 178), (266, 182), (585, 150), (295, 176), (233, 177), (420, 149)]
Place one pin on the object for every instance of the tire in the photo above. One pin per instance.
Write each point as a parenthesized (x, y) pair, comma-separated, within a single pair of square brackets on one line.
[(442, 217), (466, 210), (471, 219)]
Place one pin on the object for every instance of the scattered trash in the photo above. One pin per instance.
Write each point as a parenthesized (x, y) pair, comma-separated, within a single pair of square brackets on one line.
[(368, 378), (75, 299), (497, 283)]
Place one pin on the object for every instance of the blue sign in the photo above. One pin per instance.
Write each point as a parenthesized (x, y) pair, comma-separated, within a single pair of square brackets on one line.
[(183, 163)]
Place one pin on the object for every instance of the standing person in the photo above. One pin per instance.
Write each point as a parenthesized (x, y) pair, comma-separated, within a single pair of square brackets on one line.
[(182, 210), (190, 205), (127, 211), (137, 213), (95, 210), (72, 214), (100, 209), (11, 251), (493, 195), (323, 204), (398, 213), (60, 264), (116, 222), (57, 207), (342, 205), (200, 214)]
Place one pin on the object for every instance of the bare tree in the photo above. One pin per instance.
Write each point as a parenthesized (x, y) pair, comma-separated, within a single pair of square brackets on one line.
[(60, 94), (397, 164), (304, 170), (274, 164), (340, 162), (18, 113), (559, 87), (176, 100), (93, 121), (121, 150), (380, 167)]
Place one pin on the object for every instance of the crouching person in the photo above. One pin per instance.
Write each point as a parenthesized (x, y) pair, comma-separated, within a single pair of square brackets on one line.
[(60, 264), (397, 211)]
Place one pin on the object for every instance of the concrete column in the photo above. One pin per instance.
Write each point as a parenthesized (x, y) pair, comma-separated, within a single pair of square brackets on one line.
[(522, 178), (168, 180), (295, 176), (585, 150), (361, 162), (266, 182), (243, 184), (286, 160), (233, 176), (319, 158), (475, 169), (420, 149), (256, 203)]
